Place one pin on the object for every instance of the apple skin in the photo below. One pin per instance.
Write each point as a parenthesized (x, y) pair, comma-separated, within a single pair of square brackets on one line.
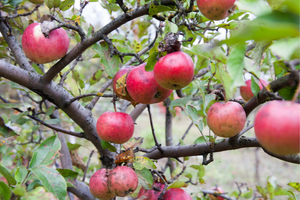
[(246, 92), (174, 71), (98, 185), (226, 119), (115, 127), (176, 193), (151, 194), (216, 9), (277, 127), (120, 91), (36, 1), (122, 181), (218, 190), (143, 88), (42, 50)]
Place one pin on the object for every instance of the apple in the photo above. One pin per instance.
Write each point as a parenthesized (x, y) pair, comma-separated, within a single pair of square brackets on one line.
[(122, 181), (98, 185), (174, 71), (41, 49), (218, 191), (176, 193), (119, 83), (152, 194), (277, 127), (246, 92), (36, 1), (216, 9), (143, 88), (226, 119), (115, 127)]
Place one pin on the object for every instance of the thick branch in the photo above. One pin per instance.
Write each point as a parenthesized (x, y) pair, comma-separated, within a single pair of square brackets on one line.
[(83, 45)]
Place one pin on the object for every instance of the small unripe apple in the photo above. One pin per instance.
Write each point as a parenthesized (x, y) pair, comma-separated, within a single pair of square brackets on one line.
[(36, 1), (152, 194), (119, 83), (218, 190), (277, 127), (176, 193), (216, 9), (143, 88), (122, 181), (98, 185), (174, 71), (41, 49), (115, 127), (246, 91), (226, 119)]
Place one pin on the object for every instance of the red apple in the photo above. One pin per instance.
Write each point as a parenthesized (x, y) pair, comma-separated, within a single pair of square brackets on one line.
[(218, 191), (122, 181), (116, 127), (98, 185), (216, 9), (176, 193), (143, 88), (41, 49), (226, 119), (152, 194), (246, 92), (174, 71), (119, 83), (277, 127)]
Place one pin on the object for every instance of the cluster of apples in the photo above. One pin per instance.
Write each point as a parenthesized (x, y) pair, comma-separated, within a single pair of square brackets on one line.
[(121, 181), (276, 124)]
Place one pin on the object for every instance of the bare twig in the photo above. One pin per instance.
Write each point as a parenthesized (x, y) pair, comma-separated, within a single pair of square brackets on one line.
[(87, 165), (23, 14), (88, 95)]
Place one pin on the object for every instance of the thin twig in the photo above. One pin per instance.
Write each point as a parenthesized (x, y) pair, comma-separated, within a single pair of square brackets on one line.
[(88, 95), (23, 14), (186, 132), (87, 165)]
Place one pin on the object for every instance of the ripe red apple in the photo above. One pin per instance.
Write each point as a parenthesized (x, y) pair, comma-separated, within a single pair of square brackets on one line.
[(122, 181), (98, 185), (277, 127), (246, 92), (174, 71), (41, 49), (119, 83), (116, 127), (216, 9), (176, 193), (226, 119), (143, 88), (152, 194), (219, 191)]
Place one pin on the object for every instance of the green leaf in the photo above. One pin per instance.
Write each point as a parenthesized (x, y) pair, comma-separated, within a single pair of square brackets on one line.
[(207, 51), (235, 64), (46, 152), (202, 139), (34, 184), (177, 184), (295, 185), (4, 171), (19, 190), (68, 174), (107, 145), (136, 46), (287, 93), (110, 64), (192, 113), (8, 105), (50, 110), (15, 3), (96, 77), (154, 9), (180, 102), (51, 180), (201, 170), (4, 191), (170, 27), (73, 146), (146, 175), (152, 59), (65, 5), (53, 121), (271, 190), (262, 191), (254, 86), (52, 3), (21, 174), (256, 7), (248, 194), (141, 162), (286, 48), (37, 68)]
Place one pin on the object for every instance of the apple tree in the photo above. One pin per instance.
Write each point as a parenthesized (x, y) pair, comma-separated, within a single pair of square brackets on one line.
[(59, 74)]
